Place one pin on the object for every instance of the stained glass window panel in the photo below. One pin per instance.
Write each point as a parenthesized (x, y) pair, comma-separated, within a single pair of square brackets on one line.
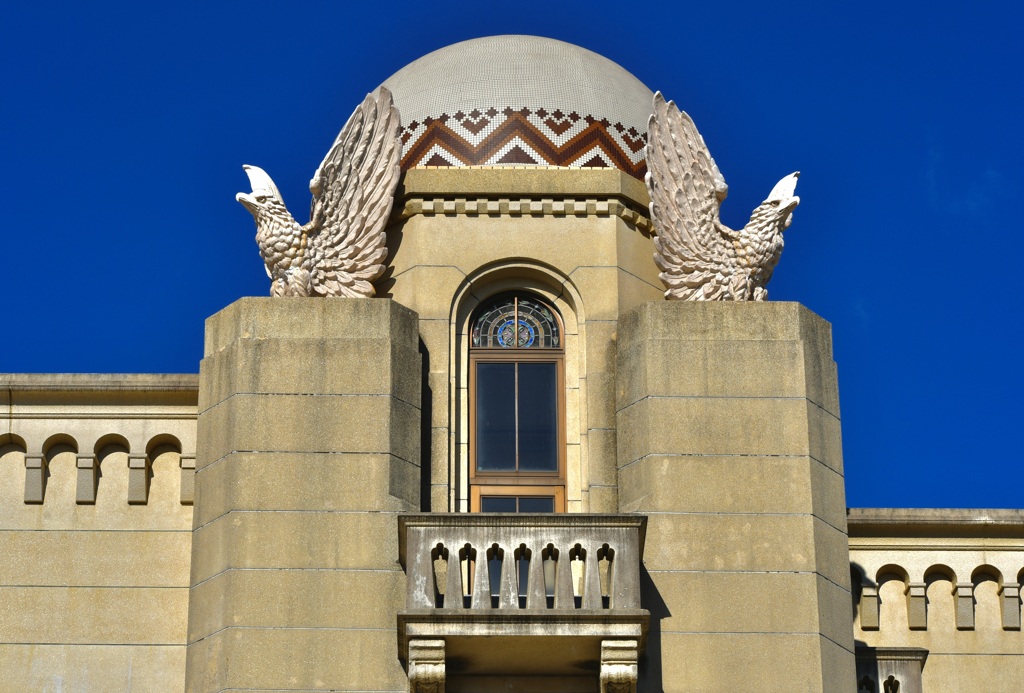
[(516, 323)]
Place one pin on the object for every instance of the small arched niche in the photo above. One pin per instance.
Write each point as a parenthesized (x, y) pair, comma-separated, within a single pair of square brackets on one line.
[(940, 586), (169, 472), (112, 459), (12, 470), (893, 583), (51, 478), (987, 583)]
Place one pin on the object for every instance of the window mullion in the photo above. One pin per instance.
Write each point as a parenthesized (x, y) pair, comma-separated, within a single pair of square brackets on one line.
[(515, 345), (516, 395)]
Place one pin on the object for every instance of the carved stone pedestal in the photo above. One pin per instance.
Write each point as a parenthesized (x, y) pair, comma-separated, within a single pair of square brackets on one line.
[(426, 666), (619, 666)]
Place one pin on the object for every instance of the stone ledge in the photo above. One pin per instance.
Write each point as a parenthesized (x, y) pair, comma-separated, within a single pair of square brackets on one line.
[(934, 522), (494, 181), (99, 382)]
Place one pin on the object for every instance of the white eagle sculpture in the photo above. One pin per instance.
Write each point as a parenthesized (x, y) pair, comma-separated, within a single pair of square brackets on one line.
[(339, 252), (700, 258)]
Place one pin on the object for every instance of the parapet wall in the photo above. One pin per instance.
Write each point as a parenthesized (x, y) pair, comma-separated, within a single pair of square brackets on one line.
[(96, 476), (947, 581), (95, 530)]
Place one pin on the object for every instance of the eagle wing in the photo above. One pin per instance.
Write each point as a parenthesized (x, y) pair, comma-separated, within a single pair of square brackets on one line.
[(353, 191), (686, 190)]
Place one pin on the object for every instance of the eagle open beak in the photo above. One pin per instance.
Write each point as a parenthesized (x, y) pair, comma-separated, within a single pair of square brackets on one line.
[(785, 188), (248, 201), (261, 183)]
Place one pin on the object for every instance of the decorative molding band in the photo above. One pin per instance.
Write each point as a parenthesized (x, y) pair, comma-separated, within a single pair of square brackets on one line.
[(106, 415), (982, 546), (526, 208)]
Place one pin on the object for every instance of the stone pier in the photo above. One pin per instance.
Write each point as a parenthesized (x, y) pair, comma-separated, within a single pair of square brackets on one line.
[(729, 441), (309, 430)]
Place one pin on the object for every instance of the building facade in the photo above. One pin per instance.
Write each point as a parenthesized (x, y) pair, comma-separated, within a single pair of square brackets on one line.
[(519, 468)]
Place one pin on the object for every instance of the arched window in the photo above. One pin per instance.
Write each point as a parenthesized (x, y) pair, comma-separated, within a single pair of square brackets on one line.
[(517, 408)]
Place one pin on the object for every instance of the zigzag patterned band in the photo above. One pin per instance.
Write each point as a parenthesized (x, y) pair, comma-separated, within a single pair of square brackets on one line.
[(523, 136)]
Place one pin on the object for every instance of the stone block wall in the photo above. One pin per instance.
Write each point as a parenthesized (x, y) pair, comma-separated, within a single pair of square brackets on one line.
[(729, 441), (95, 531), (309, 430), (945, 581)]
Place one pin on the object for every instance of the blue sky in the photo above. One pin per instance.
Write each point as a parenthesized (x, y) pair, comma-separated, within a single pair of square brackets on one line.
[(125, 125)]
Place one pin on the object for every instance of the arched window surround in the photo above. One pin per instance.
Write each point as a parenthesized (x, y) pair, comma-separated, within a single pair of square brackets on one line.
[(516, 361), (558, 292)]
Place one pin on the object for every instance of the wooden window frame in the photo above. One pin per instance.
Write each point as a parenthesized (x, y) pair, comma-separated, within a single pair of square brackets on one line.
[(478, 490), (530, 482)]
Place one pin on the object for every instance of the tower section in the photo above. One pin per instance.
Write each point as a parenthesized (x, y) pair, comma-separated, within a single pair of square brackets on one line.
[(729, 441), (309, 414)]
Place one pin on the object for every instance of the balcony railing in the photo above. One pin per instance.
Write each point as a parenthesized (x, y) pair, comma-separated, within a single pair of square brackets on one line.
[(563, 580), (511, 561)]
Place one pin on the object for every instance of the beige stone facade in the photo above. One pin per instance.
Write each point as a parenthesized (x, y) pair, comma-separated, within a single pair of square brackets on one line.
[(318, 428), (95, 531), (301, 516), (946, 582)]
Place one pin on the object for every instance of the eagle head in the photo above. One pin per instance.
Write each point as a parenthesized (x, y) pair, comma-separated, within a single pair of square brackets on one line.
[(264, 202), (777, 209)]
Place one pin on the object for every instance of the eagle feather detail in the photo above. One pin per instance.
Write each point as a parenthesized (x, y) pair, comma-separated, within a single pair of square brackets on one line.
[(341, 250), (700, 258)]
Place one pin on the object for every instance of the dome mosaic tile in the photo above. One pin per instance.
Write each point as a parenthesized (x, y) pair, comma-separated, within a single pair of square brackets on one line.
[(521, 100)]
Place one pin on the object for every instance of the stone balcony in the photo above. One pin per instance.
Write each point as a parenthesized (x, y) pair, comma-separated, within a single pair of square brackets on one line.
[(495, 595)]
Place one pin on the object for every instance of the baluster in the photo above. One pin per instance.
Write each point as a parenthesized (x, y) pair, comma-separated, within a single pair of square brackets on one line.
[(508, 589), (439, 566), (563, 582), (453, 586), (469, 571), (550, 569), (606, 569), (481, 584), (591, 581), (536, 596)]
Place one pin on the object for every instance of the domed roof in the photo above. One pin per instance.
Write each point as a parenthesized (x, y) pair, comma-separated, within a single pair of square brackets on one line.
[(521, 100)]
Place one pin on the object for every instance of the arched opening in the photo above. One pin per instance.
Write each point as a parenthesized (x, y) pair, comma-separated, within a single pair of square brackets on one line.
[(113, 454), (53, 480), (516, 405), (12, 470), (940, 582), (892, 581), (165, 465), (451, 443), (987, 581)]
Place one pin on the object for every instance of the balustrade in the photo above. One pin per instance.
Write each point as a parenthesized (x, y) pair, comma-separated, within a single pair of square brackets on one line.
[(515, 561), (570, 583)]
